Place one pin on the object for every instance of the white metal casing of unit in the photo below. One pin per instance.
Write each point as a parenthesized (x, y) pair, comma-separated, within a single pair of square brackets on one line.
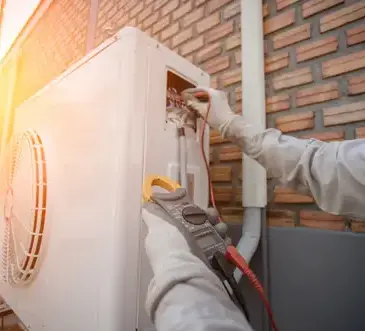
[(102, 125)]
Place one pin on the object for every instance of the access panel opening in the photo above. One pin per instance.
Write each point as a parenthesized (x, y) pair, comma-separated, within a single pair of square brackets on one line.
[(175, 107)]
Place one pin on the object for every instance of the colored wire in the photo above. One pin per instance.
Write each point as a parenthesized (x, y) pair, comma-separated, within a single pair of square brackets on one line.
[(236, 259), (202, 132)]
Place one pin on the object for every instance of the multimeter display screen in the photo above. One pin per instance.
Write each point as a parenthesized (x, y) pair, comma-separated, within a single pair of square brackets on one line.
[(206, 241)]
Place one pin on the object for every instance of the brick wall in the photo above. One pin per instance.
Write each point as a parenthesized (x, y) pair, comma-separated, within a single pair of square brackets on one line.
[(56, 42), (315, 78)]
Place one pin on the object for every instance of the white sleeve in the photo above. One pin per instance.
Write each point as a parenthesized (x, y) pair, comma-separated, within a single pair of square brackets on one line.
[(186, 296), (333, 173)]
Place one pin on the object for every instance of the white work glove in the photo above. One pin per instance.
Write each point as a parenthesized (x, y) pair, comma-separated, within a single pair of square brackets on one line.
[(221, 117), (171, 257), (164, 240), (220, 114)]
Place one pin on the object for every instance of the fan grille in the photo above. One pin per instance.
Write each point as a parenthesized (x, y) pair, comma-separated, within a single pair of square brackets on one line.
[(24, 189)]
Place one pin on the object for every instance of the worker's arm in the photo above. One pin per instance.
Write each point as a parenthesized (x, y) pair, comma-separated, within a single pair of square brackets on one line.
[(184, 294), (333, 173)]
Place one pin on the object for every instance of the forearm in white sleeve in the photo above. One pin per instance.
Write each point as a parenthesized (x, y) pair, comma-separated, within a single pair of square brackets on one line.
[(333, 173), (186, 296)]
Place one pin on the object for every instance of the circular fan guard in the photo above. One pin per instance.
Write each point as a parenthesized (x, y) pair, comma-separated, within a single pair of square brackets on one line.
[(23, 189)]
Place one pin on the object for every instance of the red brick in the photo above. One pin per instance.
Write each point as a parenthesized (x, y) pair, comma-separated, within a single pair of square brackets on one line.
[(356, 85), (213, 5), (221, 173), (325, 136), (190, 58), (358, 226), (192, 46), (216, 138), (232, 214), (281, 4), (316, 49), (238, 93), (233, 41), (209, 52), (238, 195), (295, 122), (105, 7), (217, 64), (348, 113), (167, 43), (170, 31), (169, 7), (219, 32), (200, 2), (147, 11), (230, 153), (136, 10), (276, 62), (292, 36), (317, 94), (321, 220), (281, 218), (208, 23), (160, 3), (232, 10), (343, 16), (360, 133), (277, 103), (286, 195), (161, 24), (182, 37), (184, 9), (223, 194), (238, 57), (194, 16), (279, 21), (293, 78), (129, 5), (265, 10), (231, 77), (310, 8), (152, 19), (356, 35), (133, 22), (343, 64)]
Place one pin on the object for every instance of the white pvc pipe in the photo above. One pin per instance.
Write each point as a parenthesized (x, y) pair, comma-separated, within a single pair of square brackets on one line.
[(251, 233), (253, 103)]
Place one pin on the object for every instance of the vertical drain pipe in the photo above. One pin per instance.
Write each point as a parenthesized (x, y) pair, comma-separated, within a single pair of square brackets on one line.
[(253, 105)]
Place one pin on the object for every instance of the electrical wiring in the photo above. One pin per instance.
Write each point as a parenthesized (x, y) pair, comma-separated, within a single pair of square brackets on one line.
[(202, 132), (232, 255), (235, 258)]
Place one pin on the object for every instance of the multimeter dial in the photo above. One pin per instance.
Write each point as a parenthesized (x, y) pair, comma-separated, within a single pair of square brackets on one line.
[(194, 215)]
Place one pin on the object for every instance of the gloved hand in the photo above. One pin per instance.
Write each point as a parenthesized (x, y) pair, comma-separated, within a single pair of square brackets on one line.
[(165, 239), (171, 258), (220, 114)]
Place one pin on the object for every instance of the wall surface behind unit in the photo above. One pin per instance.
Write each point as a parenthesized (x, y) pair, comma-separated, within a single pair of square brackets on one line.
[(315, 63)]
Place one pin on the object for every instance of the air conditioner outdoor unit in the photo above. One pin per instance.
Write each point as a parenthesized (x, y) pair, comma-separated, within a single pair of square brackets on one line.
[(71, 233)]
